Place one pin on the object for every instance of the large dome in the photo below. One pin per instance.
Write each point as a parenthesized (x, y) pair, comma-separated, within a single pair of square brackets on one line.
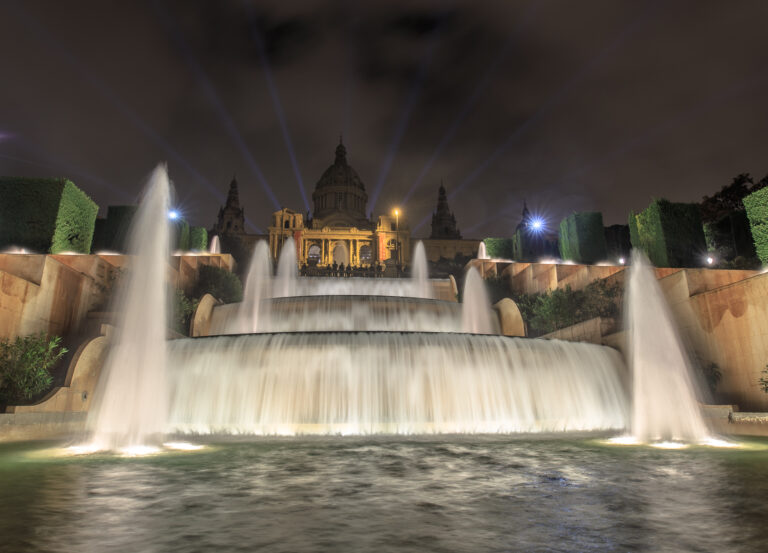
[(339, 197), (340, 173)]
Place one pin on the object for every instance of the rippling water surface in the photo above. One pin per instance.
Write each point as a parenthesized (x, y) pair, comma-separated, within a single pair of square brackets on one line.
[(477, 493)]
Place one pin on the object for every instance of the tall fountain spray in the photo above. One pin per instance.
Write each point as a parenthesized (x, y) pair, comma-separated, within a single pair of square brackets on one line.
[(476, 314), (258, 286), (214, 247), (664, 400), (287, 271), (481, 253), (420, 273), (131, 401)]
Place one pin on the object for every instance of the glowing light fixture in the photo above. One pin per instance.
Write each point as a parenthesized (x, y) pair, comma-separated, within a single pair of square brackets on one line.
[(710, 260), (622, 261), (173, 215)]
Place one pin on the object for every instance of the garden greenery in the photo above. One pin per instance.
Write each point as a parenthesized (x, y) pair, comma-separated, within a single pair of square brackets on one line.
[(198, 239), (756, 205), (498, 248), (46, 215), (670, 234), (560, 308), (25, 366), (582, 237), (220, 283), (182, 309)]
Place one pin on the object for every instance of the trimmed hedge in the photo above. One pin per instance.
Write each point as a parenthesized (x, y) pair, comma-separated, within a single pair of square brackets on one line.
[(198, 239), (112, 233), (531, 247), (182, 235), (670, 234), (617, 241), (582, 237), (499, 248), (46, 215), (756, 205)]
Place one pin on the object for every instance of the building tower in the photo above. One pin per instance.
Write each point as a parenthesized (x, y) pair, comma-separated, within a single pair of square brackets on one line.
[(231, 218), (443, 220)]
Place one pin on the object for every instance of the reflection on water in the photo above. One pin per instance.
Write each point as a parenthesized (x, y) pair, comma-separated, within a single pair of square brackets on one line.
[(475, 493)]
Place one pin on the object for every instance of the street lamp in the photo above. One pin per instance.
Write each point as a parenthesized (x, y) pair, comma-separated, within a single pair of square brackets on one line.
[(397, 236)]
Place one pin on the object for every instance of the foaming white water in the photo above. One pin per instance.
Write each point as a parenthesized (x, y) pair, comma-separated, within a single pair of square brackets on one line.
[(358, 286), (477, 314), (131, 400), (287, 271), (664, 398), (258, 285), (420, 272), (214, 246), (481, 253), (343, 313), (361, 383)]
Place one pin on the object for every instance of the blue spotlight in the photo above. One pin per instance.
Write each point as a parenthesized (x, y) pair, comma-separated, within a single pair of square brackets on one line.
[(173, 214), (536, 224)]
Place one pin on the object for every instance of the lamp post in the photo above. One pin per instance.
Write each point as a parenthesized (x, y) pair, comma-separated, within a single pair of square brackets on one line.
[(397, 238)]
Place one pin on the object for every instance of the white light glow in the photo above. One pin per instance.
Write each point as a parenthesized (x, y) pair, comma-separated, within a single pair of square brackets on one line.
[(139, 450), (183, 446), (718, 442), (710, 260), (622, 261), (173, 214), (669, 445)]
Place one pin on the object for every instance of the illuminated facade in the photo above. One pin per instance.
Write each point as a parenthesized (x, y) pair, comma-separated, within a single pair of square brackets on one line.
[(339, 230)]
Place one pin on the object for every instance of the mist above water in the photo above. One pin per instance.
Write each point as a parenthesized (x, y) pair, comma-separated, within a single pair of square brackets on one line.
[(130, 404)]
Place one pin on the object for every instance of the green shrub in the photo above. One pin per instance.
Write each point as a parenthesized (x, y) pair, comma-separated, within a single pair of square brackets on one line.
[(498, 248), (544, 313), (46, 215), (25, 366), (582, 237), (756, 205), (198, 239), (182, 310), (182, 235), (670, 234), (220, 283)]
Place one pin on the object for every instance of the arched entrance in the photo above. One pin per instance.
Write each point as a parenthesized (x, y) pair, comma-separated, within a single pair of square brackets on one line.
[(313, 255), (340, 254), (366, 255)]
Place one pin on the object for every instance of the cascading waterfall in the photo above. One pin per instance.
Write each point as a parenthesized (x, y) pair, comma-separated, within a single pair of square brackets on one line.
[(214, 247), (404, 383), (131, 400), (419, 272), (477, 314), (258, 286), (287, 271), (664, 399)]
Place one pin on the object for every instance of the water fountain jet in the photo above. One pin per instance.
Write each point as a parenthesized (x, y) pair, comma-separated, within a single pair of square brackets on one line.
[(130, 403)]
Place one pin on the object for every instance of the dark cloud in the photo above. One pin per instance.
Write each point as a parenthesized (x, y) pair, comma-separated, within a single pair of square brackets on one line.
[(602, 104)]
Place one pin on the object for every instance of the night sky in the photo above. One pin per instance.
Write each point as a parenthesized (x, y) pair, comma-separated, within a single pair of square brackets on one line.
[(588, 105)]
